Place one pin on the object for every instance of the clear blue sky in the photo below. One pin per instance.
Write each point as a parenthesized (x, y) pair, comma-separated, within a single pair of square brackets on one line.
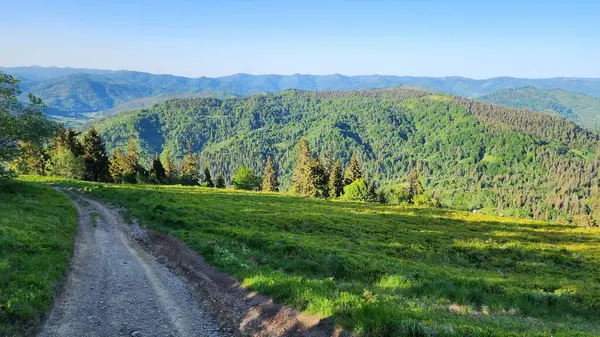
[(480, 39)]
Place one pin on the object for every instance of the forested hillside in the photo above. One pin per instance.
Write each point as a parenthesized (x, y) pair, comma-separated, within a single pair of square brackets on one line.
[(581, 108), (76, 95), (470, 154)]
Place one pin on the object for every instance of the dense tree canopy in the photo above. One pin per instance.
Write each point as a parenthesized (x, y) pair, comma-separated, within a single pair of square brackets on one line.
[(474, 155)]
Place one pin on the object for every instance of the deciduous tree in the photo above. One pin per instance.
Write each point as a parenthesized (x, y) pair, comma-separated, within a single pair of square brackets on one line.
[(245, 179)]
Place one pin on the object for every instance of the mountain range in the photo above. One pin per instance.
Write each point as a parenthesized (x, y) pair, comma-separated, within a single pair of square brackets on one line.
[(77, 95)]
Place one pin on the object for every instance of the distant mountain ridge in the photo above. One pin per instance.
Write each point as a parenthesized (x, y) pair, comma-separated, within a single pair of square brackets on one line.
[(87, 93)]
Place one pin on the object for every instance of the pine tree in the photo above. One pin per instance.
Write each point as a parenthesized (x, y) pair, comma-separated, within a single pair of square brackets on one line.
[(207, 178), (309, 177), (158, 171), (329, 157), (118, 166), (170, 170), (220, 181), (132, 157), (336, 180), (95, 158), (189, 169), (414, 185), (354, 170), (317, 182), (66, 139), (269, 183), (301, 167)]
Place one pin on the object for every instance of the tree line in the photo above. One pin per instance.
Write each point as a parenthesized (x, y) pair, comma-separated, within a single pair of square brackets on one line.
[(70, 154)]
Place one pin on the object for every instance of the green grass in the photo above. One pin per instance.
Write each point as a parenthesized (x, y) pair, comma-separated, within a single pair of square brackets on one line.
[(37, 226), (387, 270)]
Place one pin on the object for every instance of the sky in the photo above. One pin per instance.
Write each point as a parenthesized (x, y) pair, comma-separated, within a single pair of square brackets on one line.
[(477, 39)]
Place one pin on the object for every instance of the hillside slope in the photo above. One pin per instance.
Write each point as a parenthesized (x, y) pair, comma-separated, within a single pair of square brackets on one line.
[(474, 155), (575, 106), (386, 271)]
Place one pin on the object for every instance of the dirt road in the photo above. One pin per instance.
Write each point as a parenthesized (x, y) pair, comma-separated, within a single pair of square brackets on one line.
[(115, 288)]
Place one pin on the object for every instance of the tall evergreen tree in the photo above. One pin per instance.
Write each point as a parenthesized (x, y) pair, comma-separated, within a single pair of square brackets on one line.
[(118, 166), (414, 185), (354, 170), (170, 170), (158, 171), (329, 158), (317, 179), (94, 156), (309, 177), (269, 183), (66, 139), (132, 156), (220, 181), (301, 167), (336, 180), (189, 170), (208, 179)]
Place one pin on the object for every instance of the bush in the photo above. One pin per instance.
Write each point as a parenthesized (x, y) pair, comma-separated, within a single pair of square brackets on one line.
[(396, 194), (245, 179), (359, 190), (425, 201)]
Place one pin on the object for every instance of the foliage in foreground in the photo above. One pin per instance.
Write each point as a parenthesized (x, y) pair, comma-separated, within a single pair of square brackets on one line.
[(21, 124), (388, 270), (36, 240)]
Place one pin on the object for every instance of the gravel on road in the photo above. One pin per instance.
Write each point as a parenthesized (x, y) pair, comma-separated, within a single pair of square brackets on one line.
[(115, 288)]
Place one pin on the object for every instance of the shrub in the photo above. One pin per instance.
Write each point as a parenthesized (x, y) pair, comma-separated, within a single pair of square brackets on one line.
[(245, 179), (359, 190), (425, 201)]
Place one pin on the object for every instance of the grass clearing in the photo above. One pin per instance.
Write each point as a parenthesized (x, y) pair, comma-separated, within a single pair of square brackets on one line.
[(384, 270), (37, 227)]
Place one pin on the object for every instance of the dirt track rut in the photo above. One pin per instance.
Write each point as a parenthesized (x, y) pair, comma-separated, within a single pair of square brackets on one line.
[(115, 288)]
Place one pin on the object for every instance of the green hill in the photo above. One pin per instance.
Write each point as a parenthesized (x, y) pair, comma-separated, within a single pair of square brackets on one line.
[(575, 106), (474, 155)]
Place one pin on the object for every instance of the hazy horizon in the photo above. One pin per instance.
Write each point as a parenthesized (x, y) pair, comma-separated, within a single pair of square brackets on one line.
[(294, 74)]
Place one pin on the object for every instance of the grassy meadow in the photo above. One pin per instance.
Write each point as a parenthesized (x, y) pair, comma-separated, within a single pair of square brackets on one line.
[(37, 227), (384, 270)]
